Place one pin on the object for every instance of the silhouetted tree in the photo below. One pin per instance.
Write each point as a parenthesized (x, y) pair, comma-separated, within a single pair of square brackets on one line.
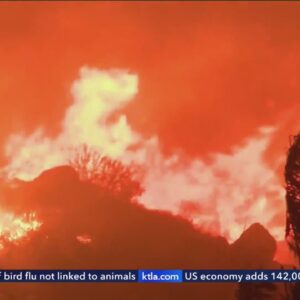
[(111, 175), (292, 178)]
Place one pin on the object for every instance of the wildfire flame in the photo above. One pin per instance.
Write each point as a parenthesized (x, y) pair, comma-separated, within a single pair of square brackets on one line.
[(227, 195), (13, 228)]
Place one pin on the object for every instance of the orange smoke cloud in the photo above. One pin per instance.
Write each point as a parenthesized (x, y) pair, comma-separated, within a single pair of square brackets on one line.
[(232, 191)]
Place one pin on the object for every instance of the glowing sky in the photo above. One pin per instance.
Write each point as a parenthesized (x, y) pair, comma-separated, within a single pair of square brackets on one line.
[(212, 96)]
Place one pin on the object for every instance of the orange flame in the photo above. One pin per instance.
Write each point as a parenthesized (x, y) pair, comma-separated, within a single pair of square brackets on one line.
[(14, 228), (233, 191)]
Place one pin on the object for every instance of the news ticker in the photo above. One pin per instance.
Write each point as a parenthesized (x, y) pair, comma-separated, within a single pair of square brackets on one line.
[(150, 276)]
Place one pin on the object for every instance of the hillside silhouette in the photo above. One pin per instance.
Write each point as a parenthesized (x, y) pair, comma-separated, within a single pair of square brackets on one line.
[(87, 226)]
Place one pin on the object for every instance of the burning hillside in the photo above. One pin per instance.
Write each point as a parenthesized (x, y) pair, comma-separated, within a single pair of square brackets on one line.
[(85, 225), (227, 193)]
